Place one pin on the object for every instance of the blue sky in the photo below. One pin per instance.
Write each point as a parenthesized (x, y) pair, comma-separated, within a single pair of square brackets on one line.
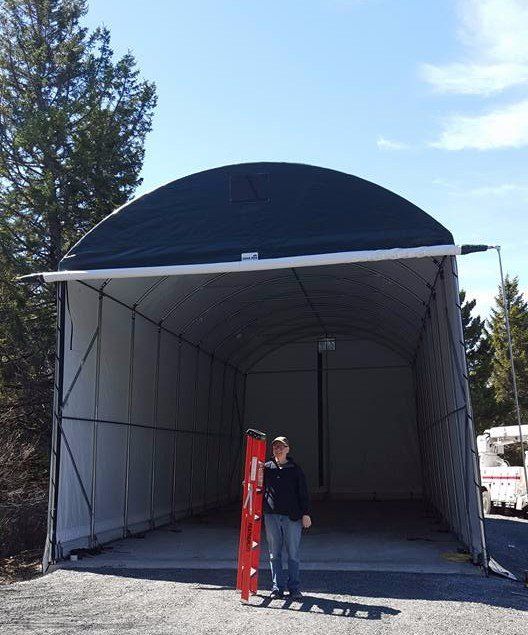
[(428, 99)]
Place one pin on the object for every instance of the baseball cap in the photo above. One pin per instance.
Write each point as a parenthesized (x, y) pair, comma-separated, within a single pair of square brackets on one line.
[(283, 440)]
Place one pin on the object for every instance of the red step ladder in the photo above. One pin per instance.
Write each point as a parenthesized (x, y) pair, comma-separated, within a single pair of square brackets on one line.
[(251, 522)]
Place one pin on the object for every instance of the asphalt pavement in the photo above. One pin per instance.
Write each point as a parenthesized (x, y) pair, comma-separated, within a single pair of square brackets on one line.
[(507, 540)]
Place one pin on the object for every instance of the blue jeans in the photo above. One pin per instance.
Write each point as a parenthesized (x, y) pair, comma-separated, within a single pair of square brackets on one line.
[(281, 530)]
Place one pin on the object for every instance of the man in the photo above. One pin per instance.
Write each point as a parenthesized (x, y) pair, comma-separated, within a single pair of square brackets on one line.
[(286, 513)]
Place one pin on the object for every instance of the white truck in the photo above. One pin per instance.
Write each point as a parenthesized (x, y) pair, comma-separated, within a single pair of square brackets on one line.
[(503, 485)]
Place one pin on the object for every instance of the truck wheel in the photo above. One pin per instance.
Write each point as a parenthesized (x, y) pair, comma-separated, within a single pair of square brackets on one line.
[(486, 502)]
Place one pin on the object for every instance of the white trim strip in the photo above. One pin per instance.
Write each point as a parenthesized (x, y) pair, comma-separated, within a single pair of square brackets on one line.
[(253, 265)]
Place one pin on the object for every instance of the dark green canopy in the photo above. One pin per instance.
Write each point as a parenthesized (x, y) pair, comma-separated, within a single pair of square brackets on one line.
[(274, 209)]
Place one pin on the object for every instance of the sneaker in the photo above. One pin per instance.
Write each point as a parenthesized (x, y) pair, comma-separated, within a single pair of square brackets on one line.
[(295, 595), (276, 595)]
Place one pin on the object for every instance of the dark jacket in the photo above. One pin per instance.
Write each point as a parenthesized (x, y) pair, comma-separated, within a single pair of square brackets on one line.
[(285, 490)]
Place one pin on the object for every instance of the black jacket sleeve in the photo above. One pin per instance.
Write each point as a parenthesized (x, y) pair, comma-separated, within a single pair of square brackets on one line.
[(304, 498)]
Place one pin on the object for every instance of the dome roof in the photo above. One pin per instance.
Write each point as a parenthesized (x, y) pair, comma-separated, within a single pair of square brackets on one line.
[(277, 210)]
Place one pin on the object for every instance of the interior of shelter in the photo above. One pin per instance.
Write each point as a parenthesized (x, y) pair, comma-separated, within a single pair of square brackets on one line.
[(360, 365)]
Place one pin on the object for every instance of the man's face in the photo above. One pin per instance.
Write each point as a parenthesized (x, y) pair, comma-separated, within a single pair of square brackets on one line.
[(279, 451)]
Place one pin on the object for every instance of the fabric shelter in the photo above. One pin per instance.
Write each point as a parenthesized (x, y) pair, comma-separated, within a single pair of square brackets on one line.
[(294, 299)]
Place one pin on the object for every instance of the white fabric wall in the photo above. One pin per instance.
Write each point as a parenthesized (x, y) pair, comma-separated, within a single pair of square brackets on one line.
[(181, 453), (446, 433), (76, 445)]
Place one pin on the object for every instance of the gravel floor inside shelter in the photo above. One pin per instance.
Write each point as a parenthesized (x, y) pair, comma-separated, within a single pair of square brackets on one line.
[(203, 601)]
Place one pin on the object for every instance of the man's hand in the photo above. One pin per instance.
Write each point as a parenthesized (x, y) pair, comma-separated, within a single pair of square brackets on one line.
[(306, 522)]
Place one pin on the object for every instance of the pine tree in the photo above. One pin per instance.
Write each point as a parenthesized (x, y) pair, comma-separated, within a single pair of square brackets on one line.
[(72, 127), (479, 360), (501, 377)]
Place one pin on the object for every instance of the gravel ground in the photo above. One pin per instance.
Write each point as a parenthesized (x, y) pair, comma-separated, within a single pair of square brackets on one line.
[(175, 601), (193, 601)]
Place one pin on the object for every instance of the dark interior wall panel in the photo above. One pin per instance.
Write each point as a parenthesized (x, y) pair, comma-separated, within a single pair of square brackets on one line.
[(142, 413), (110, 482), (182, 473), (73, 514), (168, 376), (199, 443), (165, 419), (162, 475), (184, 426), (202, 401), (212, 489), (238, 438), (141, 440), (112, 411), (281, 399), (81, 326), (359, 353), (144, 381), (189, 359), (227, 439), (374, 449), (115, 361)]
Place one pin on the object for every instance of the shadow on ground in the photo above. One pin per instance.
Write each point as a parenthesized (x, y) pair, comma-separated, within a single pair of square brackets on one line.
[(311, 604), (492, 591)]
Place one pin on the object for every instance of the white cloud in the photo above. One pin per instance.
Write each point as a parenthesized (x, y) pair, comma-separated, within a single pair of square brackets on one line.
[(496, 57), (504, 189), (388, 144), (475, 79), (443, 182), (505, 127), (495, 28)]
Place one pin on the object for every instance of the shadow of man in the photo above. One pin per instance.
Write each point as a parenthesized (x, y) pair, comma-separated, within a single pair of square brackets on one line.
[(312, 604)]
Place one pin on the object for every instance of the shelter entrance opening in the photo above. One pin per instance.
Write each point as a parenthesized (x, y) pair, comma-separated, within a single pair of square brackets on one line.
[(359, 365), (344, 334)]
